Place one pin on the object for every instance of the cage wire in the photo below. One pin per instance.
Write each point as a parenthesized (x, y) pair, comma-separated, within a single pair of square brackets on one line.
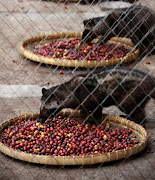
[(22, 80)]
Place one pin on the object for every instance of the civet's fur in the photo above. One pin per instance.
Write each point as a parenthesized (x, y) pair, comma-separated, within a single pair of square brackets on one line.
[(128, 89), (136, 23)]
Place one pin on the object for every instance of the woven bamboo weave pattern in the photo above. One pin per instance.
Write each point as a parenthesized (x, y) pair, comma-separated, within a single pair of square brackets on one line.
[(79, 160)]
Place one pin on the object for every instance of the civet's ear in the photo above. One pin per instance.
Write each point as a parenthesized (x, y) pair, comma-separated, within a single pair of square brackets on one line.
[(85, 22), (44, 91), (88, 24)]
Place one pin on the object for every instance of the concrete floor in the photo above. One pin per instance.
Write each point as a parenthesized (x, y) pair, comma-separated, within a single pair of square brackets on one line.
[(20, 19)]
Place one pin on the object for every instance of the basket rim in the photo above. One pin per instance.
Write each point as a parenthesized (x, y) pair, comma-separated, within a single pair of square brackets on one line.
[(77, 160), (76, 63)]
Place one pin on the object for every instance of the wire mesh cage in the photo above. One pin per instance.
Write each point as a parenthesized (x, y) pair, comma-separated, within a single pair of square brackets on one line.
[(90, 56)]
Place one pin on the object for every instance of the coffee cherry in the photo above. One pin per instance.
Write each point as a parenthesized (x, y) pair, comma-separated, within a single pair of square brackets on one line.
[(61, 72), (66, 137), (71, 50)]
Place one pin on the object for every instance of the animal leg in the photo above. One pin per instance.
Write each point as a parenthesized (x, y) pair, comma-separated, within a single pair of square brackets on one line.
[(134, 111)]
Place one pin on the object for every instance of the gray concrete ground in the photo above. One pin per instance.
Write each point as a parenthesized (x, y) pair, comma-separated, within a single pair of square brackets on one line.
[(20, 19)]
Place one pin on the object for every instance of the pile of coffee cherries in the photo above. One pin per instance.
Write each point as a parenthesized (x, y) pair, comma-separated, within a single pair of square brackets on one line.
[(66, 137), (72, 50)]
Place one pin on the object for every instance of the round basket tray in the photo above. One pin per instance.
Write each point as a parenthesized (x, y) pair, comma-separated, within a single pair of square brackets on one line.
[(79, 160), (26, 49)]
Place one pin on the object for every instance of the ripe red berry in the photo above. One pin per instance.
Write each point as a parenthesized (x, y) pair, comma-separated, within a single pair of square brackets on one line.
[(61, 72), (148, 62), (66, 136), (70, 49)]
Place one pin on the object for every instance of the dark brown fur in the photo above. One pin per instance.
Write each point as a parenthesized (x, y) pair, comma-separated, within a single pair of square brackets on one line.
[(136, 23), (128, 89), (96, 1)]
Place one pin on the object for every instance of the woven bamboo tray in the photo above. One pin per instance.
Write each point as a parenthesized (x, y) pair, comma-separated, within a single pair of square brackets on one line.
[(27, 51), (79, 160)]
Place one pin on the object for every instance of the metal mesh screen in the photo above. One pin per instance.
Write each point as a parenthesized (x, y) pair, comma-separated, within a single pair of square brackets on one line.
[(22, 80)]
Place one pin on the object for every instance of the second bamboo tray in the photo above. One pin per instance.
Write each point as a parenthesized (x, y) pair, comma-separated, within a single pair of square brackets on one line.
[(26, 49), (79, 160)]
